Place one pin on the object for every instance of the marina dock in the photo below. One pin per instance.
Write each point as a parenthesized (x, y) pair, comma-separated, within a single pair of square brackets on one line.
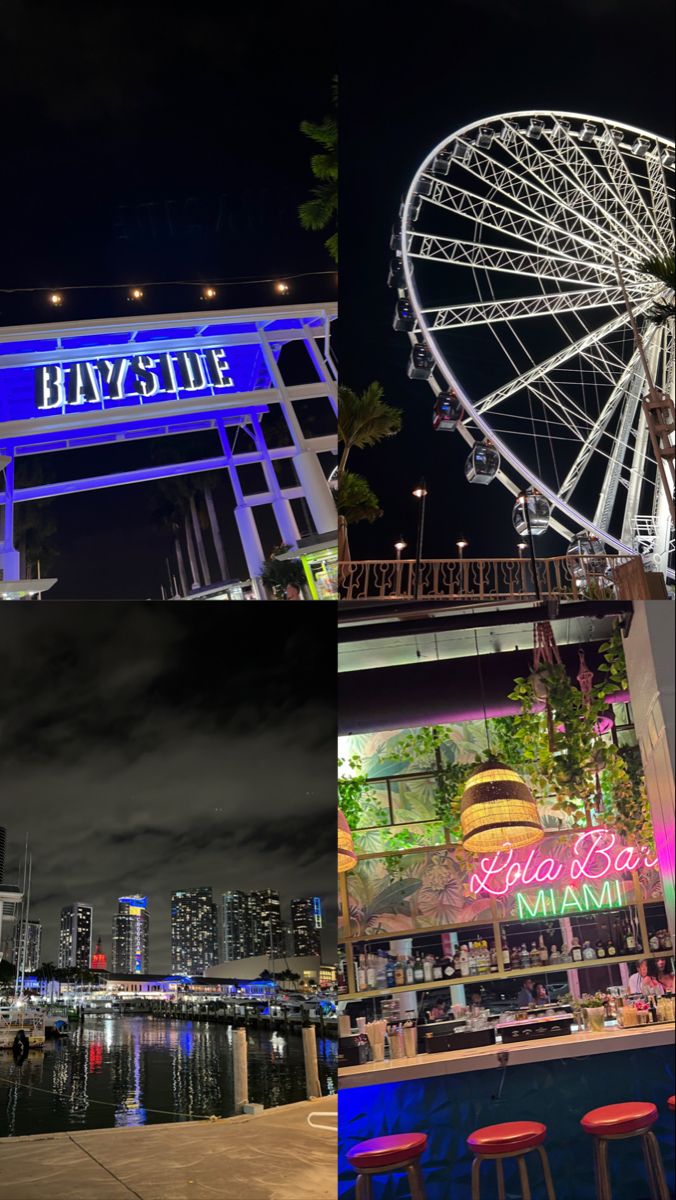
[(276, 1155)]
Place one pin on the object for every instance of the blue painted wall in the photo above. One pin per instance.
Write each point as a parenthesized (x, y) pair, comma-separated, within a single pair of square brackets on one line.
[(557, 1093)]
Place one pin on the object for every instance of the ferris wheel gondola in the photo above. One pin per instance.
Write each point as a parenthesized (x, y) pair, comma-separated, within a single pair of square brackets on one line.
[(522, 221)]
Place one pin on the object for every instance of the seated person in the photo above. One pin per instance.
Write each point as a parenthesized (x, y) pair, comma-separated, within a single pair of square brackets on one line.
[(437, 1012), (526, 997), (644, 980), (665, 973), (541, 995)]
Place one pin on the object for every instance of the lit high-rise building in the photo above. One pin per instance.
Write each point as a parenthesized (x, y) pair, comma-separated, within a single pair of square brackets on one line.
[(75, 935), (193, 931), (33, 945), (306, 923), (130, 936), (99, 960), (266, 923), (236, 915)]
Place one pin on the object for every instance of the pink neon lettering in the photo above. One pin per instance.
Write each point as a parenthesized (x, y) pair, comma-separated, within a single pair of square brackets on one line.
[(548, 871), (526, 877), (588, 867), (490, 866), (628, 859)]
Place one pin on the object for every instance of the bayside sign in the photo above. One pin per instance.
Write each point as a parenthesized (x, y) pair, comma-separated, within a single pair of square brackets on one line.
[(144, 375), (597, 854)]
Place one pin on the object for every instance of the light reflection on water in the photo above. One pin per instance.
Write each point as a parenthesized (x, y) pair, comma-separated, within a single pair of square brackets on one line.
[(134, 1071)]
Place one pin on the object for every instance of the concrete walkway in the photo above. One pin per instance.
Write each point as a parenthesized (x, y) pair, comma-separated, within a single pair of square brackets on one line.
[(277, 1155)]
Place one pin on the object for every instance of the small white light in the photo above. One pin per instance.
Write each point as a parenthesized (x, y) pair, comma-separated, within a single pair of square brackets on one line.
[(56, 298), (136, 294), (209, 293), (282, 288)]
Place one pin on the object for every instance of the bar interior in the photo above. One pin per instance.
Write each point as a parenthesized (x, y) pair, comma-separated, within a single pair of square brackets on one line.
[(506, 880)]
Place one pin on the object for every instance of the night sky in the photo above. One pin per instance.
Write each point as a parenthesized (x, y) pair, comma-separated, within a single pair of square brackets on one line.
[(152, 748), (432, 69), (141, 145)]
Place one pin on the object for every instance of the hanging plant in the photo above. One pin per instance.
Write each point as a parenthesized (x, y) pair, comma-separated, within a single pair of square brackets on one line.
[(357, 798)]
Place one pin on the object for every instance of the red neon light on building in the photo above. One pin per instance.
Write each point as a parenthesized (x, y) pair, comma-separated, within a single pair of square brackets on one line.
[(99, 960)]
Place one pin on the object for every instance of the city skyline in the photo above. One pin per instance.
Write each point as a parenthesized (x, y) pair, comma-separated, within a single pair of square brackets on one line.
[(141, 760)]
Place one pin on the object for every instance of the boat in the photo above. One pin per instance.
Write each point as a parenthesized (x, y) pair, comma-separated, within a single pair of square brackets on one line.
[(16, 1018)]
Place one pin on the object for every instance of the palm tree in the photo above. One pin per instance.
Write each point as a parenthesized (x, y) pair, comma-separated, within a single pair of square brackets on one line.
[(660, 267), (363, 420), (321, 210)]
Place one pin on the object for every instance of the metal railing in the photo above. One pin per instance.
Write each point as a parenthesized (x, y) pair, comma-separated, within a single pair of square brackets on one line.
[(493, 580)]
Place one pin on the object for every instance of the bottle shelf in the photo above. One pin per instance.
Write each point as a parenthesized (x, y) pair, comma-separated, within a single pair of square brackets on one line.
[(473, 980)]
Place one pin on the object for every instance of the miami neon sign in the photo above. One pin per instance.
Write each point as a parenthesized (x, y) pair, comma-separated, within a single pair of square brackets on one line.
[(145, 375), (596, 855), (548, 903)]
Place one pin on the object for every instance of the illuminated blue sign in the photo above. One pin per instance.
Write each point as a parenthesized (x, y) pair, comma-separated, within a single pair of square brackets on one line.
[(134, 901), (317, 912)]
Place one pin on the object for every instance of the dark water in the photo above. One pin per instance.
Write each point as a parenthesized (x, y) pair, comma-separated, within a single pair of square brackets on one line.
[(136, 1071)]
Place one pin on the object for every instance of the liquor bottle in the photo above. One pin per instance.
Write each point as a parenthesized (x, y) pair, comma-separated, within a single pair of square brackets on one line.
[(362, 981), (389, 972), (437, 969), (451, 967), (534, 955), (575, 950), (494, 961), (418, 971), (506, 962), (629, 939), (409, 971), (381, 971), (668, 945), (370, 972), (427, 969), (524, 957), (399, 973), (654, 942), (610, 949), (588, 951), (464, 960), (554, 956), (542, 952), (600, 949)]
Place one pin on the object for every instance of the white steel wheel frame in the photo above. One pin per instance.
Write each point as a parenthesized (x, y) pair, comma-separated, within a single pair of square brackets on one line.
[(558, 217)]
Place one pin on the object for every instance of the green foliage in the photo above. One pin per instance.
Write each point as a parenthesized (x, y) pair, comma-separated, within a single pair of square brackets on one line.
[(278, 574), (320, 211), (356, 501), (364, 419), (613, 665), (357, 798), (660, 267)]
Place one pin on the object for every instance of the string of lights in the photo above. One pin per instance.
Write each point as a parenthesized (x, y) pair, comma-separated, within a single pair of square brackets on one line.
[(135, 291)]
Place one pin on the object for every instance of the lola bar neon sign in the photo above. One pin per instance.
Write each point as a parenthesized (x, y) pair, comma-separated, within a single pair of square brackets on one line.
[(596, 855), (149, 374)]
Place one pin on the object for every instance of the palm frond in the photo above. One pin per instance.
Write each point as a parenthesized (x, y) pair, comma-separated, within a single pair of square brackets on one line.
[(356, 501), (364, 420)]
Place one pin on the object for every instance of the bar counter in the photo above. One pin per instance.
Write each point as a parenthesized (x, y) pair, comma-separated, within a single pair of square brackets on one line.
[(483, 1058), (553, 1080)]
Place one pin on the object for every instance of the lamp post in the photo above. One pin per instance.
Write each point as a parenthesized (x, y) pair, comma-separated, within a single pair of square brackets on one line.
[(523, 500), (461, 546), (420, 492), (399, 546)]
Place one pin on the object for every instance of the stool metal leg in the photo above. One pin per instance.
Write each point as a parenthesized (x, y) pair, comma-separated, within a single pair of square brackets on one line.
[(523, 1176), (364, 1187), (415, 1180), (501, 1178), (476, 1186), (601, 1169), (549, 1184), (658, 1183), (649, 1169)]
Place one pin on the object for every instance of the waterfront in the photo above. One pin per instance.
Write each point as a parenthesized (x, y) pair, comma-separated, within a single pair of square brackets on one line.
[(116, 1071)]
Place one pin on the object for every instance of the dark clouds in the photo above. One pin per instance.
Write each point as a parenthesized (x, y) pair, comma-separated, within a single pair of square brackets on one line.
[(149, 747)]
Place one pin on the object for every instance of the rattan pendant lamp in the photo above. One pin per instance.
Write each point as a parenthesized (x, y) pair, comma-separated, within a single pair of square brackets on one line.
[(497, 810)]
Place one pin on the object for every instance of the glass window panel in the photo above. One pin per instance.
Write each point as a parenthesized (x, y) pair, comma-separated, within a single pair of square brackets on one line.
[(413, 799)]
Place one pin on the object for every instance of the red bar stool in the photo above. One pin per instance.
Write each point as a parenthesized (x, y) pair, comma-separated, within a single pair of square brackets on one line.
[(614, 1122), (379, 1156), (514, 1139)]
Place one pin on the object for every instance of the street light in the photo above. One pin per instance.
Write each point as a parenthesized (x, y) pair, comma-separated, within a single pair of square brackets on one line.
[(461, 546), (420, 492), (522, 499), (521, 547), (399, 546)]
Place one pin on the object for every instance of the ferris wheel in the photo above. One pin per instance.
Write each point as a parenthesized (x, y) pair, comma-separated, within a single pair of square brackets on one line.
[(516, 238)]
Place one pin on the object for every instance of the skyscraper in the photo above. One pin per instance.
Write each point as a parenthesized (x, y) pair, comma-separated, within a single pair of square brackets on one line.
[(130, 936), (306, 922), (237, 939), (193, 931), (99, 960), (33, 945), (266, 923), (75, 935)]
